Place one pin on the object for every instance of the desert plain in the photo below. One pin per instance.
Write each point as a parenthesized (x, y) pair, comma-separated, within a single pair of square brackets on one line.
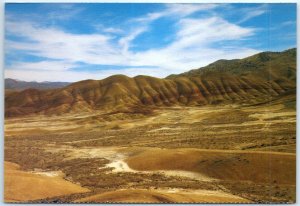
[(181, 154)]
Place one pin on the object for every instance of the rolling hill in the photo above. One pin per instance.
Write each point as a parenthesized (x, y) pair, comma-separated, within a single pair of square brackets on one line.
[(13, 84), (255, 79)]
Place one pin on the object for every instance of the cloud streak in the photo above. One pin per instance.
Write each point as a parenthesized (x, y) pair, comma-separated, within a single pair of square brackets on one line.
[(250, 13), (193, 46)]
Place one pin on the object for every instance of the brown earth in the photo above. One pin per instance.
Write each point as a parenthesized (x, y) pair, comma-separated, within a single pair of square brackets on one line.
[(160, 196), (246, 151), (230, 165), (20, 186)]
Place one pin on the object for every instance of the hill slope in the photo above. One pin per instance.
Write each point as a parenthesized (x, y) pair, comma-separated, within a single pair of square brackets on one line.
[(255, 79)]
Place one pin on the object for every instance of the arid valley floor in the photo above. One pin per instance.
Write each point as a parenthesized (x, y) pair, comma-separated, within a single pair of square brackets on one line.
[(213, 153)]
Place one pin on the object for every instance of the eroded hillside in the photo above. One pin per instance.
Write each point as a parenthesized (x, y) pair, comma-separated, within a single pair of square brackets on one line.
[(255, 79)]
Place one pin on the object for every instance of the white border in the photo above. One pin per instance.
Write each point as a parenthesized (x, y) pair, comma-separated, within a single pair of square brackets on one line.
[(2, 2), (150, 1)]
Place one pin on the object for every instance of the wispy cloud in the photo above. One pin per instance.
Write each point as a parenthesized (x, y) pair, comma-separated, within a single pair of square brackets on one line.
[(113, 30), (216, 29), (125, 41), (193, 46), (53, 14), (56, 44), (102, 29), (250, 13), (62, 12), (283, 25), (44, 65), (176, 11)]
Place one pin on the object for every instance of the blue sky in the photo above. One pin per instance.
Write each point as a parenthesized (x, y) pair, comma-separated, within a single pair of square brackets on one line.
[(72, 42)]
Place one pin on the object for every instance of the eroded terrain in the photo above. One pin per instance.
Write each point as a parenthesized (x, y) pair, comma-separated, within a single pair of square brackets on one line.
[(176, 154)]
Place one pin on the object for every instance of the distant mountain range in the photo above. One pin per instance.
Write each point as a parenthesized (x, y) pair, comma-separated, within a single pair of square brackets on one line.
[(255, 79), (13, 84)]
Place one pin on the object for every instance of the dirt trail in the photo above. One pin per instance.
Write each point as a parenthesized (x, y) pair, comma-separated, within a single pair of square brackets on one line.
[(185, 162), (122, 166), (117, 157)]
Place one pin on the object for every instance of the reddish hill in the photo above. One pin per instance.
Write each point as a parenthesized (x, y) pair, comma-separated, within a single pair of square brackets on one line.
[(255, 79)]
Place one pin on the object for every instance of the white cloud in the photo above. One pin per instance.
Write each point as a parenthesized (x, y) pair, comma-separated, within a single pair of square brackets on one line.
[(176, 11), (101, 28), (187, 9), (249, 13), (43, 65), (56, 44), (211, 30), (64, 13), (72, 76), (112, 30), (170, 63), (283, 25), (125, 41), (192, 48)]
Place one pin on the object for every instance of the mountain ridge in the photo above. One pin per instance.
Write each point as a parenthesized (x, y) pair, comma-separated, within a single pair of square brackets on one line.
[(14, 84), (254, 79)]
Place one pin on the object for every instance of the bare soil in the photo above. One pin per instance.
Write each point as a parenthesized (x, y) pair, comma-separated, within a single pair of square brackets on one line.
[(229, 153), (23, 186)]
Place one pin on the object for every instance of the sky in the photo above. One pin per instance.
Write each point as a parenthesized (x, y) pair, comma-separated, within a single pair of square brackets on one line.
[(73, 42)]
